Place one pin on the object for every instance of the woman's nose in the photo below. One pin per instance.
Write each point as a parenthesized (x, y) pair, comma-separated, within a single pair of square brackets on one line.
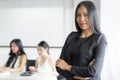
[(82, 18)]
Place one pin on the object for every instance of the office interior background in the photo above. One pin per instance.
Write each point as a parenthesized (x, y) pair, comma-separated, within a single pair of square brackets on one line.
[(52, 20)]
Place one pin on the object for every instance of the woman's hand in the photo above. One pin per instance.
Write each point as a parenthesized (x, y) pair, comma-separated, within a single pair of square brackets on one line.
[(4, 70), (91, 63), (81, 78), (63, 65), (32, 68), (1, 70)]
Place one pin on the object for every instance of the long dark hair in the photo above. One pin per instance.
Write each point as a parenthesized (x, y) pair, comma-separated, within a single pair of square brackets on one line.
[(20, 52), (44, 45), (92, 16)]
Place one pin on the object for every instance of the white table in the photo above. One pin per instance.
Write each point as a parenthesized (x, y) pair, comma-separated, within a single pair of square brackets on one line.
[(36, 76)]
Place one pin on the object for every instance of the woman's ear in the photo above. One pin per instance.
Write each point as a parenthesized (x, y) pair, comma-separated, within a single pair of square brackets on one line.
[(47, 49)]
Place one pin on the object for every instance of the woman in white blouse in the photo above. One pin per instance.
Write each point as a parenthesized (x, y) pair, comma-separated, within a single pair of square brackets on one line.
[(44, 63), (17, 58)]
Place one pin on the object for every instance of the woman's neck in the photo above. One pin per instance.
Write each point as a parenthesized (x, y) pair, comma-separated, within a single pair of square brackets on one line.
[(45, 56), (86, 33)]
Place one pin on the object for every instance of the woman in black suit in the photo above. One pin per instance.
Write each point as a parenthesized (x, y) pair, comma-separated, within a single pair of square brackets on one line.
[(83, 53)]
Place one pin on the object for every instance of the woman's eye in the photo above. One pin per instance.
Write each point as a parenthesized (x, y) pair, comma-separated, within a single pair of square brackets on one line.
[(78, 15), (85, 14)]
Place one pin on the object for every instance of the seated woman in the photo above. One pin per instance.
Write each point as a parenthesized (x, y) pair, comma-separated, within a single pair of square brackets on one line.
[(44, 63), (17, 59)]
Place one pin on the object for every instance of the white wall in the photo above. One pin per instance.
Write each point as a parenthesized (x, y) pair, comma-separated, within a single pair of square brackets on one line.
[(35, 20), (110, 23)]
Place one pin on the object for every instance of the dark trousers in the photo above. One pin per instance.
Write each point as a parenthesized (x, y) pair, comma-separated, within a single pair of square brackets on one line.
[(60, 77)]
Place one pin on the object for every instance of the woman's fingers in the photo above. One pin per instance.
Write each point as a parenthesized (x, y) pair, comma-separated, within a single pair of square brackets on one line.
[(81, 78), (92, 62)]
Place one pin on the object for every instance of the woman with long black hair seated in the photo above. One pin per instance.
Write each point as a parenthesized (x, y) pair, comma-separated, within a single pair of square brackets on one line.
[(17, 58)]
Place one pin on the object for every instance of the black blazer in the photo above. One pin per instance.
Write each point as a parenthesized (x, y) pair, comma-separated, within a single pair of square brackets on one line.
[(79, 52)]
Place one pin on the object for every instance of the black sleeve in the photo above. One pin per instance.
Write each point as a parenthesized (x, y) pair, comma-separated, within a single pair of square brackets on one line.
[(62, 55), (70, 36), (95, 69)]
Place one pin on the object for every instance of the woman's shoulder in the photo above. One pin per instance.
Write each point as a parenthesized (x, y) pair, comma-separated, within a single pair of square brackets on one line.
[(100, 37), (99, 34), (73, 33), (50, 58), (23, 56), (38, 58)]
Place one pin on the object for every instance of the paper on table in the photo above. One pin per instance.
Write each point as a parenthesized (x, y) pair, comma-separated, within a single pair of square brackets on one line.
[(5, 73)]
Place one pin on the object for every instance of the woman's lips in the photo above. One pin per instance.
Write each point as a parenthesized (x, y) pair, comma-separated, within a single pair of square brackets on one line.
[(83, 24)]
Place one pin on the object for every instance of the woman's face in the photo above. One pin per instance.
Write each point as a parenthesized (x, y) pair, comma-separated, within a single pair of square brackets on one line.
[(14, 47), (82, 18), (42, 51)]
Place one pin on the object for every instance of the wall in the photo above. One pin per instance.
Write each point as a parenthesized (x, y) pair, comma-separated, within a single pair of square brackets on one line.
[(35, 20), (110, 24)]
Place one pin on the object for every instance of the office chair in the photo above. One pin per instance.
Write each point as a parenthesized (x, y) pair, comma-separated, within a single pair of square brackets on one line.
[(30, 63)]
